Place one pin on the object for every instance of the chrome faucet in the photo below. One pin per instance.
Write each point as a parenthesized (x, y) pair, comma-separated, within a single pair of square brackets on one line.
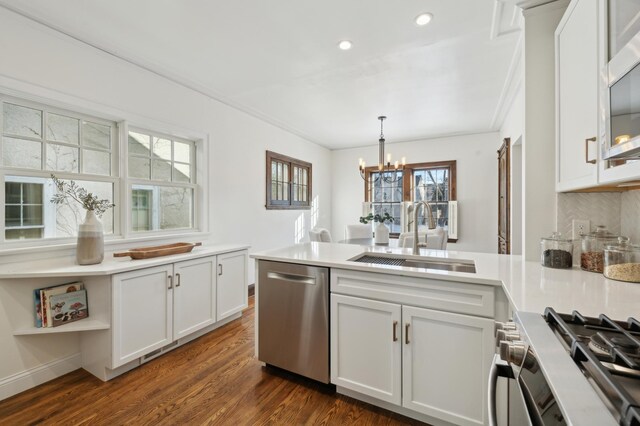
[(430, 223)]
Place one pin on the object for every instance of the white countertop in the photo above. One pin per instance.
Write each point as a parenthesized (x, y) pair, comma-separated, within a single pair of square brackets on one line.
[(528, 285), (66, 267)]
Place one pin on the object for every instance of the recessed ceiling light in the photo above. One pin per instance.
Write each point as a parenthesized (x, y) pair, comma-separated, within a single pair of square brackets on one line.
[(423, 19), (345, 45)]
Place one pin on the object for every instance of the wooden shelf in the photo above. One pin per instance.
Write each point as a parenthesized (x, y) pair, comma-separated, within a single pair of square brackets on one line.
[(83, 325)]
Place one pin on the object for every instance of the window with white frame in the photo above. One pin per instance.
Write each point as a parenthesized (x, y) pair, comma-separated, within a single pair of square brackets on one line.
[(38, 140), (161, 181)]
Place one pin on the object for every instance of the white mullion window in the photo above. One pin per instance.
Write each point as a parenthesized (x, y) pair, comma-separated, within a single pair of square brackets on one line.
[(38, 140), (161, 180)]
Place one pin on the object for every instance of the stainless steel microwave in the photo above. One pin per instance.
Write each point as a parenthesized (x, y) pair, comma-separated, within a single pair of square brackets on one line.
[(620, 100)]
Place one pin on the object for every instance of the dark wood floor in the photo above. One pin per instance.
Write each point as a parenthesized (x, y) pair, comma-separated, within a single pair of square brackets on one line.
[(213, 380)]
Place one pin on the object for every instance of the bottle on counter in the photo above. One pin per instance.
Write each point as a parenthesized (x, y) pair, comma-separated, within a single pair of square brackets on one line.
[(622, 261), (593, 244), (556, 252)]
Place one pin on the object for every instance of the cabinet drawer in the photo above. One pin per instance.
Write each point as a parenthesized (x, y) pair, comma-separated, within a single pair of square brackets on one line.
[(451, 296)]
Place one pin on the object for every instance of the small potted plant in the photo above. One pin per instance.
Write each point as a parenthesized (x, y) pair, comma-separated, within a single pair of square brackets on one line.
[(381, 235), (90, 248)]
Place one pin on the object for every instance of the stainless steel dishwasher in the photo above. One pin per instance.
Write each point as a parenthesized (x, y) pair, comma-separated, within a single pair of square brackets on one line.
[(293, 318)]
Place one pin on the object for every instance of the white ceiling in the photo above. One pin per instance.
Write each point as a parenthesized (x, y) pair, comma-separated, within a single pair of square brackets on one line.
[(279, 59)]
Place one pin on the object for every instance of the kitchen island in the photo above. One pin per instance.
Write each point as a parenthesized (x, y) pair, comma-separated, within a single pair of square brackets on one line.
[(420, 341)]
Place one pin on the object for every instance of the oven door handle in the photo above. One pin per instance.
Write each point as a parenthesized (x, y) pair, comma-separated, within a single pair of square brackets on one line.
[(499, 368)]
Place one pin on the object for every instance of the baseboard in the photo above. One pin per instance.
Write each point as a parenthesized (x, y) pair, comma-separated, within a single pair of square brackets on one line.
[(35, 376)]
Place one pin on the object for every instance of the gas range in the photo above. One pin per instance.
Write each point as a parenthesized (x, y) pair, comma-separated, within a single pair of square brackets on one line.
[(569, 369), (607, 352)]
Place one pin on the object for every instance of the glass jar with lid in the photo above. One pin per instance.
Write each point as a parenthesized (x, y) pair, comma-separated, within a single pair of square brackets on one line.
[(593, 244), (556, 252), (622, 261)]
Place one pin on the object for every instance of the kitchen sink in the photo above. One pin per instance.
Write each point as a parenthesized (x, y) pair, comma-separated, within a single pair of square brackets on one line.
[(458, 265)]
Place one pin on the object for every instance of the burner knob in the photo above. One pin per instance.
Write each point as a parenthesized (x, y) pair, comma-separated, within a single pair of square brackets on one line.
[(506, 326), (513, 352), (509, 336)]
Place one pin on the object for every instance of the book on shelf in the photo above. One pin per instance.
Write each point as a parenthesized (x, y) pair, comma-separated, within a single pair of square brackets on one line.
[(42, 301), (68, 307)]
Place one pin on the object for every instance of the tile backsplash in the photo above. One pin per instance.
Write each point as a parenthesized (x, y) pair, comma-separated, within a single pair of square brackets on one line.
[(618, 211)]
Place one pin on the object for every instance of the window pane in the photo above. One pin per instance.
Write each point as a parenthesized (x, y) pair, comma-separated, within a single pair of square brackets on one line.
[(162, 148), (63, 129), (12, 193), (32, 193), (62, 158), (139, 167), (22, 121), (96, 135), (182, 152), (22, 153), (285, 173), (12, 216), (69, 215), (182, 173), (139, 144), (32, 215), (161, 170), (96, 162), (141, 201), (176, 208), (23, 234)]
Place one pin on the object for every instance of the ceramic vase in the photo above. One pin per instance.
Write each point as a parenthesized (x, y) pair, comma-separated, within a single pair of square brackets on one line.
[(381, 234), (90, 249)]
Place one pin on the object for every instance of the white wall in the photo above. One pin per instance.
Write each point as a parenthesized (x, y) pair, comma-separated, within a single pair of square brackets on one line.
[(477, 184), (50, 65), (539, 197)]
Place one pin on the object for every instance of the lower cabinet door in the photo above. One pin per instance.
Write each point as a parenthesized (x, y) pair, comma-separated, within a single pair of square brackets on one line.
[(446, 361), (194, 295), (232, 283), (365, 347), (142, 312)]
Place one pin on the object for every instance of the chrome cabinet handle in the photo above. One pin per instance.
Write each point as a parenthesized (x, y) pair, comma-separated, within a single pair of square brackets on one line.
[(395, 332), (586, 150), (219, 268), (170, 277), (178, 278), (406, 334)]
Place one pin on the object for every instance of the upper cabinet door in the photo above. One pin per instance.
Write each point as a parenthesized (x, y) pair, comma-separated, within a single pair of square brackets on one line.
[(579, 58), (232, 283)]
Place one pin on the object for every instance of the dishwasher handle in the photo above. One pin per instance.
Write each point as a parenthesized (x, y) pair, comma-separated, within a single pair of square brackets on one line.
[(299, 279)]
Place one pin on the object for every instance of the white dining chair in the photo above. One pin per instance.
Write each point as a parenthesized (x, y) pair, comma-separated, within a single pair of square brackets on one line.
[(320, 235), (358, 231)]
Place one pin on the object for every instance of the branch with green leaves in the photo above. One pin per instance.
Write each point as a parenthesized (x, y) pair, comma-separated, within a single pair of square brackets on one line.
[(386, 217), (71, 190)]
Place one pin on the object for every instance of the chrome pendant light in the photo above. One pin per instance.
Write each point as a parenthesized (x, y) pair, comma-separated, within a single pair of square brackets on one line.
[(386, 171)]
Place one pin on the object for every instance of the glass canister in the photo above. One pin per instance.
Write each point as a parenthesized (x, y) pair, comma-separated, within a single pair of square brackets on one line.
[(593, 244), (622, 261), (556, 252)]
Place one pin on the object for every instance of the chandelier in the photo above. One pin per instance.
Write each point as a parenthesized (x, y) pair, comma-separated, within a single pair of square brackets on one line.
[(386, 171)]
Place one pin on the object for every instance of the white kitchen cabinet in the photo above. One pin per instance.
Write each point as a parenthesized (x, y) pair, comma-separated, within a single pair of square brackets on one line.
[(232, 282), (142, 319), (580, 55), (365, 347), (431, 362), (194, 295), (445, 362), (155, 306)]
